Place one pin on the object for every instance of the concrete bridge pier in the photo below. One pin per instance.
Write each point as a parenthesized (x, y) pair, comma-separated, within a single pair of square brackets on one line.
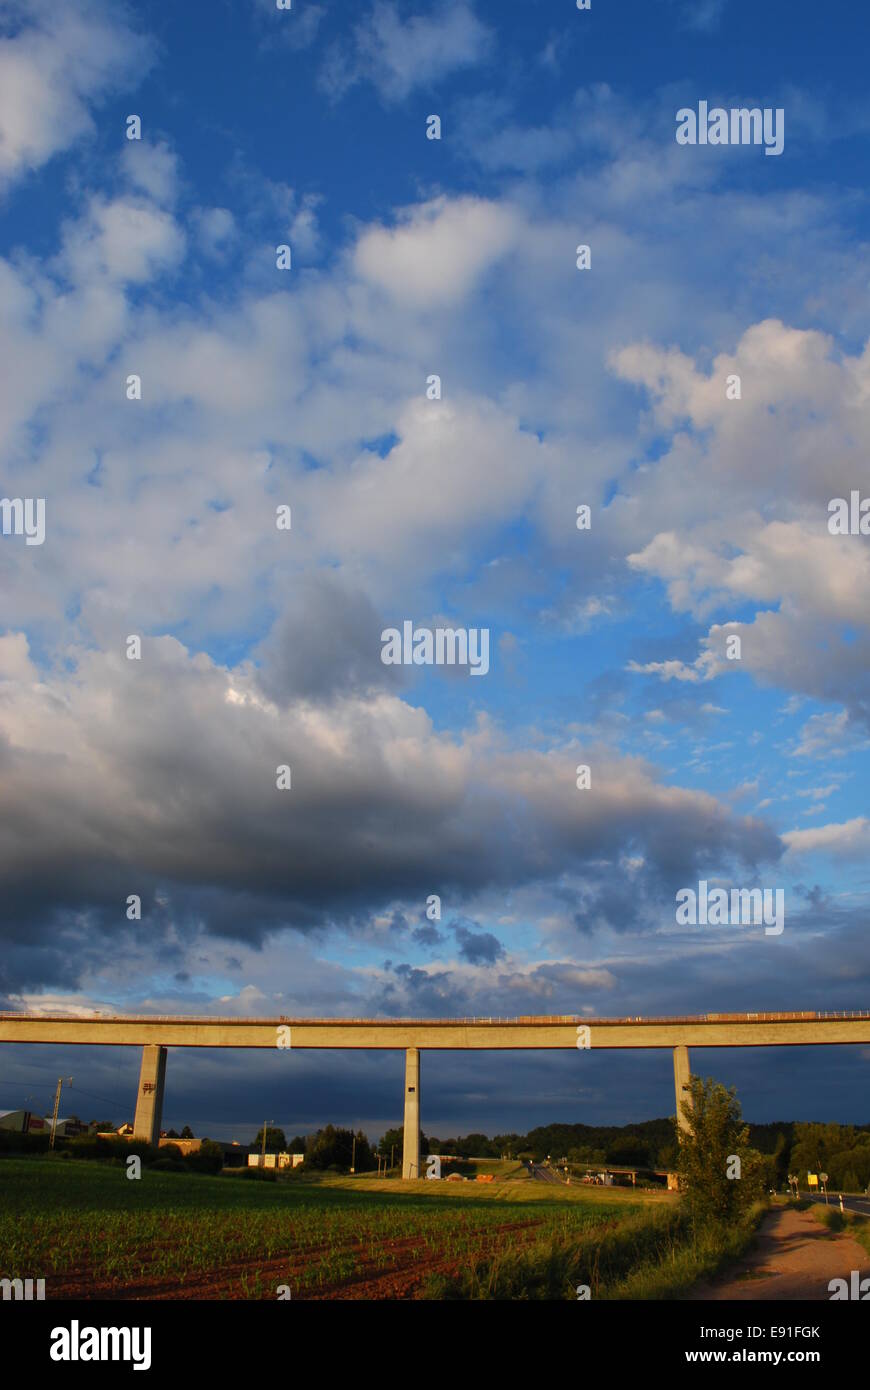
[(682, 1075), (149, 1100), (411, 1147)]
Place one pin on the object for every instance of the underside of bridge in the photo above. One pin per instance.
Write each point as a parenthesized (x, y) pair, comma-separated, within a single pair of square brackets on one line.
[(156, 1034), (152, 1077)]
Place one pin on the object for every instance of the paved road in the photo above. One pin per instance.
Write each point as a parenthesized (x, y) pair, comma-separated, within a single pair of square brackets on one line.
[(537, 1170), (861, 1205)]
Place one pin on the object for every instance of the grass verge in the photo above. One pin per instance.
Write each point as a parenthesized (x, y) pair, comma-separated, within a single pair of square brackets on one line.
[(651, 1255)]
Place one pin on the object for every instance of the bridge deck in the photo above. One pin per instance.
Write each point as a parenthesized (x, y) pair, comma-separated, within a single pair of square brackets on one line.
[(532, 1031)]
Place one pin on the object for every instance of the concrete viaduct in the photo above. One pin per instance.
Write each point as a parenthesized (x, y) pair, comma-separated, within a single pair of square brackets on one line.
[(155, 1034)]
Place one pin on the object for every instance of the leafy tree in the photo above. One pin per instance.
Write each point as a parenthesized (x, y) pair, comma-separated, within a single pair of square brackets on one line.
[(838, 1150), (393, 1141), (333, 1148), (628, 1152), (187, 1133), (275, 1141), (715, 1137), (297, 1145)]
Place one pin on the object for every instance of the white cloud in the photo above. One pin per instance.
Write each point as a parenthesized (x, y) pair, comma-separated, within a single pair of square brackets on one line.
[(60, 61), (824, 735), (438, 250), (152, 169), (845, 840), (124, 240), (398, 55), (215, 230)]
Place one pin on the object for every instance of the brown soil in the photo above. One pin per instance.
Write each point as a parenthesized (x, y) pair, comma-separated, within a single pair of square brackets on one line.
[(411, 1262), (793, 1257)]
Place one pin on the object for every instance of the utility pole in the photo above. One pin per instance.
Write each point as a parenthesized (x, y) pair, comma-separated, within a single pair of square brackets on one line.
[(265, 1132), (56, 1106), (392, 1151), (353, 1156)]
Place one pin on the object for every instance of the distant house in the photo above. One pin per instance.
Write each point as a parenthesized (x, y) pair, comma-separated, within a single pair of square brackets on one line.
[(280, 1160), (23, 1122), (184, 1146), (68, 1128)]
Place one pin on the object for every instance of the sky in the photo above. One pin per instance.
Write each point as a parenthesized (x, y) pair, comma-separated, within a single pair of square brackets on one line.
[(699, 380)]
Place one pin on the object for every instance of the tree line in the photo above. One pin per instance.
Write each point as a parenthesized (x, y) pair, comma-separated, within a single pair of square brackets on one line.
[(841, 1151)]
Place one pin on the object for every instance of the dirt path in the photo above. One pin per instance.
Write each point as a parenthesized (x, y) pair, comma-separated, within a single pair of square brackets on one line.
[(793, 1257)]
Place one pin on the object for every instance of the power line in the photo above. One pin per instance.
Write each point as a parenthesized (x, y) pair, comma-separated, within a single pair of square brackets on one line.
[(80, 1090)]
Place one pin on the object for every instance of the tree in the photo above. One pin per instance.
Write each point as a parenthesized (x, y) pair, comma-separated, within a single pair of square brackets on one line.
[(393, 1140), (209, 1158), (715, 1138), (297, 1145), (333, 1148), (275, 1141), (187, 1133)]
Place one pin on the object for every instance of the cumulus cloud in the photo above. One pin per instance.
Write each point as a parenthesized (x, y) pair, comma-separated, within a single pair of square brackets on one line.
[(327, 642), (796, 438), (438, 250), (159, 777), (56, 63), (122, 240), (847, 840), (396, 54)]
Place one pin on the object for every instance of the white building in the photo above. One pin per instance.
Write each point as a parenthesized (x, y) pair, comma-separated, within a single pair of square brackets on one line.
[(23, 1122)]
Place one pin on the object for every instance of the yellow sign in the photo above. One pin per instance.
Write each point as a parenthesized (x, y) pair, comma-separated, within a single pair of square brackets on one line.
[(813, 1179)]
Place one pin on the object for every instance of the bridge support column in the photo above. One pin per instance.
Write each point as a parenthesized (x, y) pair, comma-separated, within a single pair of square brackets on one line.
[(411, 1148), (149, 1101), (681, 1086)]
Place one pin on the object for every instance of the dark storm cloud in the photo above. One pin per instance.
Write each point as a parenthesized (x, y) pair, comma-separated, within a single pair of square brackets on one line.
[(158, 778), (478, 948), (327, 642)]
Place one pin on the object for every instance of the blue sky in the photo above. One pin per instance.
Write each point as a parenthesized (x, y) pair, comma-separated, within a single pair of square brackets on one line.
[(307, 387)]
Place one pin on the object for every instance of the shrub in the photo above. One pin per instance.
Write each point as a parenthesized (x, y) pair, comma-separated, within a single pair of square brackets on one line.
[(118, 1150), (169, 1165), (209, 1158), (258, 1174), (831, 1217), (12, 1143)]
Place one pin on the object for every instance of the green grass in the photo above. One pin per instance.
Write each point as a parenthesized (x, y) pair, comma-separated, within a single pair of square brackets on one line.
[(653, 1254), (87, 1220), (852, 1222), (859, 1227)]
